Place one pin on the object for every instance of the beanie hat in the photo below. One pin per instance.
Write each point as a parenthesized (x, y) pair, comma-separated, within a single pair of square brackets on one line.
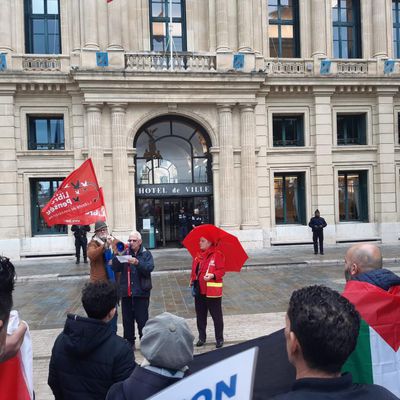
[(99, 225), (167, 342)]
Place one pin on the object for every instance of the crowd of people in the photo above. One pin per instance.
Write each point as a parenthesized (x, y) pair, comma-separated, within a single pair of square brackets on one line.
[(90, 361)]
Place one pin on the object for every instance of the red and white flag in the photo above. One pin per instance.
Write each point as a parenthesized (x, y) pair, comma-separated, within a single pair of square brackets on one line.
[(79, 200)]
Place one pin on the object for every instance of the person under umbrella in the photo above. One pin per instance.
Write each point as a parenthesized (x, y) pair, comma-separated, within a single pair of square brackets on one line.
[(206, 282)]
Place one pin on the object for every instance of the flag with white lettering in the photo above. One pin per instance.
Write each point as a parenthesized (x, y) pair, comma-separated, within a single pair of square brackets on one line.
[(79, 199)]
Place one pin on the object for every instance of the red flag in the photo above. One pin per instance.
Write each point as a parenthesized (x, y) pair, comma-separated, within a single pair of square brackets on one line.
[(78, 195), (12, 381), (109, 1)]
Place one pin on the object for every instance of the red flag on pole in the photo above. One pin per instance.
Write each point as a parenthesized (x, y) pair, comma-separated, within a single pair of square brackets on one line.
[(78, 200)]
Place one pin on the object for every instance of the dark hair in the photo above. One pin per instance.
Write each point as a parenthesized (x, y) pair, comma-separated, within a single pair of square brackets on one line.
[(99, 298), (7, 279), (326, 326)]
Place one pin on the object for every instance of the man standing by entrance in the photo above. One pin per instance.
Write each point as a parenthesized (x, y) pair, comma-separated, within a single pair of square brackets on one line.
[(135, 286), (196, 219), (317, 224), (80, 232), (183, 222)]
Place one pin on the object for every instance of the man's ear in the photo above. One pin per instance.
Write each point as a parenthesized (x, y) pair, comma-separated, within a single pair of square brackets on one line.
[(354, 269), (111, 314), (293, 344)]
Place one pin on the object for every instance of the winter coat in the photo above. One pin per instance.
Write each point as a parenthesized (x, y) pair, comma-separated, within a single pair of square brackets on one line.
[(87, 359), (382, 277), (80, 231), (95, 253), (140, 275), (317, 224), (212, 261), (140, 385)]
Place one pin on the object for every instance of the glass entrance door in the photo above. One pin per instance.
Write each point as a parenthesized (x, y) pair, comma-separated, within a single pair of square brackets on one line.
[(157, 219)]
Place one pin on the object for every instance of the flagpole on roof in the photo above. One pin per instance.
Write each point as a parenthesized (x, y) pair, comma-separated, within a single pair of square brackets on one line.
[(171, 41)]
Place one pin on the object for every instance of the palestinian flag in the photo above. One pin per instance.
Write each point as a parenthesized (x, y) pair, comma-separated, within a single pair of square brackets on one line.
[(376, 358)]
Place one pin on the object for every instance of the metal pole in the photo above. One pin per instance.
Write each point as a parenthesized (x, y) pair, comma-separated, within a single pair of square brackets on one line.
[(170, 37)]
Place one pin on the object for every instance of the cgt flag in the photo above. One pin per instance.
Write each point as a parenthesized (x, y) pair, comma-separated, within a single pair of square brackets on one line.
[(376, 358), (78, 200)]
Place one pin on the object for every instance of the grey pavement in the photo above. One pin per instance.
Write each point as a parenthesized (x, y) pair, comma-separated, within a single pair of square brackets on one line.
[(254, 301)]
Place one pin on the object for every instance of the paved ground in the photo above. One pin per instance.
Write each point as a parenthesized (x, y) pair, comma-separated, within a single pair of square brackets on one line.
[(254, 301)]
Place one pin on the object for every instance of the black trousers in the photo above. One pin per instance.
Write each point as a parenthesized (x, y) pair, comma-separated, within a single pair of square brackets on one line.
[(80, 243), (318, 236), (204, 304), (134, 309)]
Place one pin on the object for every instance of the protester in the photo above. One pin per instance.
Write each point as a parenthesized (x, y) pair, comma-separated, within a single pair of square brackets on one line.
[(87, 357), (321, 332), (135, 286), (317, 224), (183, 224), (167, 345), (206, 283), (196, 218), (9, 345), (80, 232)]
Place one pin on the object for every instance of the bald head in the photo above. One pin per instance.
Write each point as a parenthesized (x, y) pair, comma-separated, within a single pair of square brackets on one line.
[(362, 258)]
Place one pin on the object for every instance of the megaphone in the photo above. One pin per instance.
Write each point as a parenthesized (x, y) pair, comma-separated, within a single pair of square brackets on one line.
[(121, 247)]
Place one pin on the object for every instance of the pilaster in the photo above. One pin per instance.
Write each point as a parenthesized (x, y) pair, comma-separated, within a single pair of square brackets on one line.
[(245, 26), (379, 23), (114, 26), (6, 21), (318, 29), (91, 37)]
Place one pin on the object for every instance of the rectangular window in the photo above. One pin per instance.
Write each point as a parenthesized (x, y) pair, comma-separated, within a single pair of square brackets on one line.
[(46, 133), (353, 196), (351, 129), (160, 31), (283, 28), (288, 130), (290, 198), (346, 28), (42, 191), (42, 27), (396, 28)]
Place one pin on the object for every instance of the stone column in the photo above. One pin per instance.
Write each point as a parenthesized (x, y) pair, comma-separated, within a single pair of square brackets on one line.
[(245, 26), (227, 184), (114, 25), (318, 28), (6, 22), (385, 173), (75, 25), (122, 187), (95, 140), (212, 26), (248, 167), (222, 25), (91, 37), (379, 24)]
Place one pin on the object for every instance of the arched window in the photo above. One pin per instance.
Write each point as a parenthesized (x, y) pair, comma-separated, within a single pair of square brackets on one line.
[(172, 150)]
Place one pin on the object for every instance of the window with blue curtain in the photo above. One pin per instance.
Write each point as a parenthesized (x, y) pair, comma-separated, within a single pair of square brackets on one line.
[(42, 190), (290, 198), (353, 196), (288, 130), (46, 132), (351, 129), (160, 24), (42, 27), (396, 28), (283, 28), (346, 28)]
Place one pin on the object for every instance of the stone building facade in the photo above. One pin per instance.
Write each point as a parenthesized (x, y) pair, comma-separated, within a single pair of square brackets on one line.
[(267, 110)]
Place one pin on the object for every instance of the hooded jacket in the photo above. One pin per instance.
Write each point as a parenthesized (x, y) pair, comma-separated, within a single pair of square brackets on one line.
[(87, 359), (382, 278)]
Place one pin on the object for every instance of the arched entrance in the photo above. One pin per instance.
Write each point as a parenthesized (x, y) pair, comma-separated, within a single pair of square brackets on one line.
[(173, 170)]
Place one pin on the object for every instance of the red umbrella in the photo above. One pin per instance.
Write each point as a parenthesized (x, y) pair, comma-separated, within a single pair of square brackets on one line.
[(229, 245)]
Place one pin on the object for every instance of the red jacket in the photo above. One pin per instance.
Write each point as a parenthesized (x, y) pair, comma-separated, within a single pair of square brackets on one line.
[(212, 261)]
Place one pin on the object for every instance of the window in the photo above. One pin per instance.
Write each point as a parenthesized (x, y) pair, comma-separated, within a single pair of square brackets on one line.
[(346, 28), (172, 150), (353, 196), (396, 28), (351, 129), (42, 191), (283, 28), (42, 27), (46, 133), (288, 130), (159, 25), (290, 198)]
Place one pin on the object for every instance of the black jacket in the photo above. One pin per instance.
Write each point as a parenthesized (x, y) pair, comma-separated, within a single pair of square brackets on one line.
[(140, 385), (335, 388), (383, 278), (87, 359), (140, 275), (80, 231), (317, 224)]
